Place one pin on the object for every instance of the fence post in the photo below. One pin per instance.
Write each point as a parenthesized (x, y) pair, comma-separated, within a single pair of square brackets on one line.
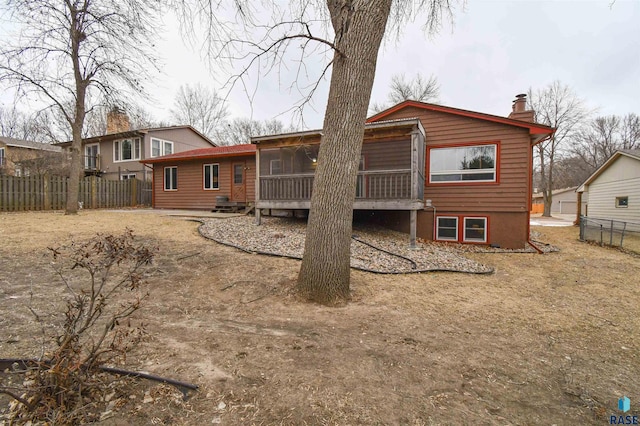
[(611, 234), (94, 192), (134, 192), (46, 200)]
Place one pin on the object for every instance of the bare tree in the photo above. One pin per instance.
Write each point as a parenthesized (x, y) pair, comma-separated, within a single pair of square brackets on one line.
[(139, 118), (240, 130), (557, 106), (19, 125), (201, 108), (348, 34), (603, 136), (418, 88), (68, 52)]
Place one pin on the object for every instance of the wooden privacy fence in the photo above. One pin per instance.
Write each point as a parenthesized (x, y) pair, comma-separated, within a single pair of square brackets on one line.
[(50, 193)]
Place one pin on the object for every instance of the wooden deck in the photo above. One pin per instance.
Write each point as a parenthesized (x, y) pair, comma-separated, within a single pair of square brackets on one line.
[(375, 190)]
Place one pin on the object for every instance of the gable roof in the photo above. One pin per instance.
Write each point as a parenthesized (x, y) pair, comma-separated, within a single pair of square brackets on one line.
[(204, 153), (135, 133), (373, 126), (631, 153), (535, 129), (555, 192), (19, 143)]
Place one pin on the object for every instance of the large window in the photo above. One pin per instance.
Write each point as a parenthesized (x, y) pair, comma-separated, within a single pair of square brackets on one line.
[(211, 173), (126, 150), (463, 164), (161, 147), (474, 229), (171, 178)]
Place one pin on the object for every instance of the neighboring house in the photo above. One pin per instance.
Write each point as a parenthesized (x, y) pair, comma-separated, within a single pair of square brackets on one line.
[(437, 172), (196, 179), (614, 189), (24, 158), (564, 201), (117, 154)]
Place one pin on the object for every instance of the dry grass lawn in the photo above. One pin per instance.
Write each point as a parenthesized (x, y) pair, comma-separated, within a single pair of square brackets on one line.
[(546, 339)]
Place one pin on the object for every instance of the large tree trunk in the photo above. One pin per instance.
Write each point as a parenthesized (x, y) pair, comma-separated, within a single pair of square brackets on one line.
[(74, 175), (359, 27), (77, 121)]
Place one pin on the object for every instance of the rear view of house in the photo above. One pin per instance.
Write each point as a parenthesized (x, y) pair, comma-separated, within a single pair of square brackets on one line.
[(478, 173), (201, 178), (436, 172), (117, 154)]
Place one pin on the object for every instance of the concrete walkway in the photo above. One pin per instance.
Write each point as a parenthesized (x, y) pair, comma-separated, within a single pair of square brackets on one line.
[(180, 213), (554, 220)]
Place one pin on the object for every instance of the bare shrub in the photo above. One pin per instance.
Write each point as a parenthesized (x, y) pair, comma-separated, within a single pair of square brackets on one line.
[(102, 278)]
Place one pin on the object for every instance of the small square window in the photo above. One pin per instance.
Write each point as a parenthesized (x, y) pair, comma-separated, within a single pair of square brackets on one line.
[(447, 229), (475, 229), (622, 202)]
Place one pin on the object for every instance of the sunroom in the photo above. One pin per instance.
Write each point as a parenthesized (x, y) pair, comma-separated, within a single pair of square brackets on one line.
[(391, 172)]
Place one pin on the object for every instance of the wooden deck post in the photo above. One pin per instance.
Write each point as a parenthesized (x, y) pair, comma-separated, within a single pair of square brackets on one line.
[(257, 187), (413, 226)]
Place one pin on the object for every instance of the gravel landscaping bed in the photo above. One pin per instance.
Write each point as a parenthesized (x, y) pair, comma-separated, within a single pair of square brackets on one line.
[(373, 249)]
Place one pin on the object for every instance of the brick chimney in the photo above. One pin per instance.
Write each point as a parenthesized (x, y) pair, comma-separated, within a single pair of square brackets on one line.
[(117, 121), (519, 109)]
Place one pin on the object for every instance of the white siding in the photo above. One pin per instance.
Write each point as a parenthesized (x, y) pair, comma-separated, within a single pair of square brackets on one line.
[(620, 179)]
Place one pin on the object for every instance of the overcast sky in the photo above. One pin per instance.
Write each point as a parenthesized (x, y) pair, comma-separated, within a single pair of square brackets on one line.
[(495, 50)]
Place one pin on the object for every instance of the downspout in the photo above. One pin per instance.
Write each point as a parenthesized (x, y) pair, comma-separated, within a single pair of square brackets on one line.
[(427, 204), (153, 192), (530, 193)]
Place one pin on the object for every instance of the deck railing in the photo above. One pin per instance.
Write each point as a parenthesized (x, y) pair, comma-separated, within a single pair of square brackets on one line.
[(371, 185)]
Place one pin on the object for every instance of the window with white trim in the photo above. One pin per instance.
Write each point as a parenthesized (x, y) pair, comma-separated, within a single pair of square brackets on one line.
[(275, 167), (622, 202), (171, 178), (475, 230), (126, 150), (211, 176), (91, 156), (1, 156), (160, 147), (447, 228), (127, 176), (475, 163)]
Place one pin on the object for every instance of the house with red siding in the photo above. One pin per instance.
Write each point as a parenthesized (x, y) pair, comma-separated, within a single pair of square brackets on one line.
[(435, 172), (199, 179)]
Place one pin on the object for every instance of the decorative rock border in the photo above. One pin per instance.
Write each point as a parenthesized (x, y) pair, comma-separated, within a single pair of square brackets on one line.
[(373, 249)]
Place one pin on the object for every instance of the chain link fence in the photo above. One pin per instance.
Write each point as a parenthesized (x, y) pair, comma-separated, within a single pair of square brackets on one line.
[(615, 233)]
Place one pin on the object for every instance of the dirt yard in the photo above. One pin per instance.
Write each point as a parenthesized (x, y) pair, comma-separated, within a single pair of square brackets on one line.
[(546, 339)]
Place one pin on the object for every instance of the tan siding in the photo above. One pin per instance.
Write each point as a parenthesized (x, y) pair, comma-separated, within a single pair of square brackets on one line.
[(191, 193)]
